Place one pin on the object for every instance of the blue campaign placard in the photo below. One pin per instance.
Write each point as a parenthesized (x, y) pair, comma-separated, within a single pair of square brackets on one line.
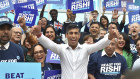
[(52, 74), (80, 6), (132, 7), (39, 3), (54, 1), (112, 4), (52, 57), (20, 70), (123, 4), (28, 5), (134, 17), (6, 5), (29, 15)]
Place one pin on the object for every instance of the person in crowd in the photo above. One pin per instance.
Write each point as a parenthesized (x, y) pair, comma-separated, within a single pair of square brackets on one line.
[(44, 23), (29, 40), (134, 30), (39, 54), (51, 34), (88, 39), (54, 22), (123, 48), (95, 30), (16, 35), (104, 22), (28, 55), (107, 64), (92, 18), (10, 52), (115, 17), (137, 55), (72, 52), (71, 20), (102, 33)]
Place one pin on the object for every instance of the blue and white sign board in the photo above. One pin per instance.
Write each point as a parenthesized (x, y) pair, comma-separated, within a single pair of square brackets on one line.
[(132, 7), (52, 74), (80, 6), (123, 4), (6, 5), (28, 5), (109, 4), (134, 17), (29, 15), (40, 3), (52, 57), (20, 70)]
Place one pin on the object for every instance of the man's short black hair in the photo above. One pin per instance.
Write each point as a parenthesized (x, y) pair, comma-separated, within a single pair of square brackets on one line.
[(72, 26), (113, 23), (95, 23), (53, 10)]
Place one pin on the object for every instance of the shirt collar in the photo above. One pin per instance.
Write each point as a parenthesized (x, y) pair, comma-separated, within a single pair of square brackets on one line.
[(104, 53), (78, 46), (6, 45)]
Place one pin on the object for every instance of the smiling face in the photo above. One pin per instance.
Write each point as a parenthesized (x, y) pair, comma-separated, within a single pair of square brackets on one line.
[(50, 33), (94, 30), (16, 35), (73, 36), (54, 15), (104, 21), (5, 34), (43, 23), (39, 54), (121, 42)]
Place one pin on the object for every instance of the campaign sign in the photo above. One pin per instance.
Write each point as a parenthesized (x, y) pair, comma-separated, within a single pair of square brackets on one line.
[(28, 5), (134, 17), (52, 57), (29, 15), (112, 4), (52, 74), (132, 7), (40, 3), (6, 5), (54, 1), (80, 6), (20, 70)]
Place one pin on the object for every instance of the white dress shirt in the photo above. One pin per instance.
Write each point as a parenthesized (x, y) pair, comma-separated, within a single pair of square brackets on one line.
[(74, 61)]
